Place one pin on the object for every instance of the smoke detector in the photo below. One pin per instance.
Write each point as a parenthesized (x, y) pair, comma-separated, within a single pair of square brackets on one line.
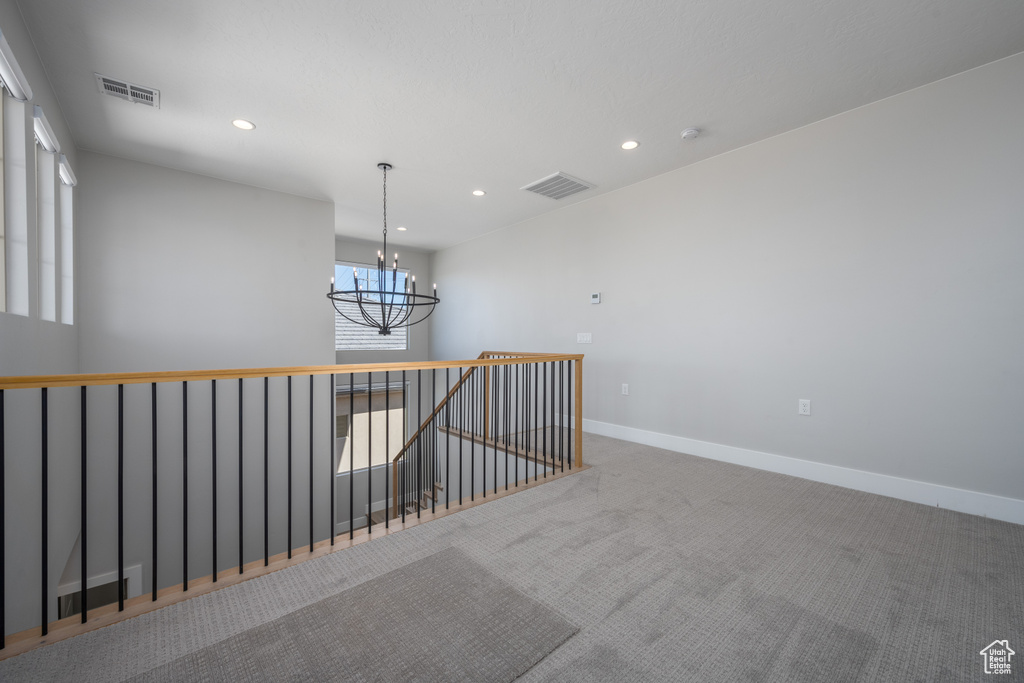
[(129, 92), (690, 133), (557, 186)]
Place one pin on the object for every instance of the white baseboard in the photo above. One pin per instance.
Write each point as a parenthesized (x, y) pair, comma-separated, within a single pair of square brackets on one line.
[(961, 500)]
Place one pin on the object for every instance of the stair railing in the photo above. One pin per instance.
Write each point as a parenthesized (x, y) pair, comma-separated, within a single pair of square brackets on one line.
[(173, 484), (493, 397)]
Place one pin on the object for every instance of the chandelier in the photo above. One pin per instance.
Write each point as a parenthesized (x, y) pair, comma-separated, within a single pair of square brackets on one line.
[(389, 302)]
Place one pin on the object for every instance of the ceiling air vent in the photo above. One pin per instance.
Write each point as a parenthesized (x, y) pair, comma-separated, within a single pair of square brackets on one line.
[(129, 92), (557, 186)]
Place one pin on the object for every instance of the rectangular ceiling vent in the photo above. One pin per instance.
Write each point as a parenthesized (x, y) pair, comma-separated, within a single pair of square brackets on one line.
[(130, 92), (558, 186)]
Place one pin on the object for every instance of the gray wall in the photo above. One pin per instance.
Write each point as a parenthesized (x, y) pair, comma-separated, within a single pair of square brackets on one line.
[(871, 262), (185, 272)]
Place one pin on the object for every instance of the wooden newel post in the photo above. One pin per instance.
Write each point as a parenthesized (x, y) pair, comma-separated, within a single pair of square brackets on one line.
[(578, 411)]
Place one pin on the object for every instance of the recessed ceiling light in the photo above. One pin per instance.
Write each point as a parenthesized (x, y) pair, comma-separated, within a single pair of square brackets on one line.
[(478, 193), (243, 124), (630, 144), (402, 228)]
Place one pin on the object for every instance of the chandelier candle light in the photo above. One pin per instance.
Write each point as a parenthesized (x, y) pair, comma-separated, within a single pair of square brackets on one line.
[(382, 306)]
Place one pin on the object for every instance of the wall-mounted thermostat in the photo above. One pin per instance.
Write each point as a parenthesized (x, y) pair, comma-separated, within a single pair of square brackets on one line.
[(595, 298)]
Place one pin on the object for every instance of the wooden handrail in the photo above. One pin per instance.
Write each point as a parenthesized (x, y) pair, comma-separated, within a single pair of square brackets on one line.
[(106, 379)]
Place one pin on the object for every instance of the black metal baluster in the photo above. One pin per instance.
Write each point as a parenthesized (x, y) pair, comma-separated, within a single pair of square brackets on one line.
[(3, 534), (85, 513), (289, 515), (351, 455), (44, 517), (120, 499), (561, 415), (266, 471), (471, 402), (402, 465), (419, 441), (517, 369), (213, 423), (459, 413), (184, 486), (311, 463), (333, 392), (537, 422), (569, 442), (527, 385), (508, 416), (387, 441), (494, 409), (154, 447), (241, 500), (447, 433), (544, 413), (369, 453)]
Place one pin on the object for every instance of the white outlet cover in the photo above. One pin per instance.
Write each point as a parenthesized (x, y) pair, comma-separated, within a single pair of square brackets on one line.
[(803, 406)]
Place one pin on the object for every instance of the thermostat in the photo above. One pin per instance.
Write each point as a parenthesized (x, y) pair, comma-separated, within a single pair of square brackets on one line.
[(595, 298)]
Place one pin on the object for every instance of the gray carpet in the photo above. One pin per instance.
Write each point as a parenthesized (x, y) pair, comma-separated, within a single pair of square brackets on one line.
[(675, 568), (442, 618)]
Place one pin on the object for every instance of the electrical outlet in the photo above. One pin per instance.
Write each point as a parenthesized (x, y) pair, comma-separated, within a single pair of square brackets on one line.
[(803, 406), (625, 390), (584, 338)]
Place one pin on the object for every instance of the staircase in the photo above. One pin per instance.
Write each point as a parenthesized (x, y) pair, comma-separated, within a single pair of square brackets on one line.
[(411, 508)]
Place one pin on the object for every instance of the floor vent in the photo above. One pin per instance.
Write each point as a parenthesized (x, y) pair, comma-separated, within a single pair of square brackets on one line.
[(129, 92), (558, 186)]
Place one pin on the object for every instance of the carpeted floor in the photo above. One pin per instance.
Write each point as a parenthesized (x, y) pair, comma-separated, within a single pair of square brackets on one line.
[(442, 618), (675, 569)]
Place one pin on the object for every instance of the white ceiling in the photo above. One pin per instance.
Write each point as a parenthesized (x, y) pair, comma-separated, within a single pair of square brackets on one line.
[(491, 94)]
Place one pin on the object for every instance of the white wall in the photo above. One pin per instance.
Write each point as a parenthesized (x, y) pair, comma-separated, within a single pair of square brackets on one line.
[(872, 262)]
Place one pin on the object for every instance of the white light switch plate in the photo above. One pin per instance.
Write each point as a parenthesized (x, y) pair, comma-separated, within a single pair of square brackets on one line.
[(584, 338)]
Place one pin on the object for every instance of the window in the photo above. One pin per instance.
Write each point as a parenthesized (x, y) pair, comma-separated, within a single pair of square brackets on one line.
[(349, 336), (46, 222), (16, 215), (378, 426), (67, 251)]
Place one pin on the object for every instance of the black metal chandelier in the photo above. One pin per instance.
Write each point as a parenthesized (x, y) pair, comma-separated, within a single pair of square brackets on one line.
[(378, 304)]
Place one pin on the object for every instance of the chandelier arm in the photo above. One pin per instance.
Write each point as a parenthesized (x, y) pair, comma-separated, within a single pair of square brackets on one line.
[(380, 281), (404, 314), (432, 303), (417, 322)]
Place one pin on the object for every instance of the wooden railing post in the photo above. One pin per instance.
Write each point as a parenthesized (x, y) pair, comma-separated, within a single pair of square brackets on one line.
[(578, 410)]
